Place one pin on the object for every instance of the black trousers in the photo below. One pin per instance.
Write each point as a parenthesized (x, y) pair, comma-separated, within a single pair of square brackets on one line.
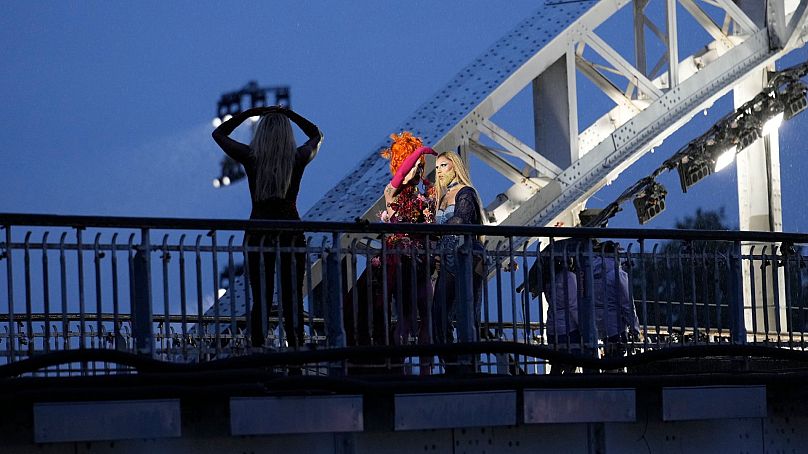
[(444, 312), (291, 286)]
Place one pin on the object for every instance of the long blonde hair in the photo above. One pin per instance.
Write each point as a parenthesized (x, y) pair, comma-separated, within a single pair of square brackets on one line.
[(274, 147), (462, 175)]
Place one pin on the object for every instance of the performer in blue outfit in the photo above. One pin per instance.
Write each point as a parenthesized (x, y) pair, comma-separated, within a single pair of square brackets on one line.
[(458, 203)]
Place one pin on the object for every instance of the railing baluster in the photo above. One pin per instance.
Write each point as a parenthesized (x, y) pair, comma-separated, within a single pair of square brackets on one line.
[(116, 326), (655, 286), (29, 335), (215, 266), (184, 299), (10, 289), (776, 309), (80, 263), (644, 292), (63, 282), (165, 259), (97, 255), (512, 275), (355, 294), (231, 279), (201, 326), (310, 291), (248, 296), (46, 293), (736, 300)]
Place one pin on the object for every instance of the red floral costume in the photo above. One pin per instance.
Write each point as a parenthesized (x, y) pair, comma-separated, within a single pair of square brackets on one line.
[(405, 255)]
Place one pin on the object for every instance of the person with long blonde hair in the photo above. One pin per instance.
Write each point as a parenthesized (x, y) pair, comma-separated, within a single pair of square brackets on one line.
[(458, 203), (274, 166)]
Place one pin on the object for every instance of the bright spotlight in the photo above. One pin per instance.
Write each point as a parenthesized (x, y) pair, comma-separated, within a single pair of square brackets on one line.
[(216, 183), (724, 159), (216, 122), (255, 119), (227, 117), (222, 291), (772, 124), (226, 181)]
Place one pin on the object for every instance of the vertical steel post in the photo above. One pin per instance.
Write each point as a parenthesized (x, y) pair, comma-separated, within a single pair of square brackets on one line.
[(10, 288), (334, 325), (141, 305), (465, 293), (736, 300)]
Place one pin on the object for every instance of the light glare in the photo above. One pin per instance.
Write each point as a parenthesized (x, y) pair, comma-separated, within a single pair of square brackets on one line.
[(216, 183), (772, 124), (216, 122), (725, 159), (226, 181), (222, 291)]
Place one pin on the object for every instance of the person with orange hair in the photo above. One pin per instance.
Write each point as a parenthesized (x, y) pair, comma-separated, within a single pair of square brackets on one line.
[(404, 270), (404, 202)]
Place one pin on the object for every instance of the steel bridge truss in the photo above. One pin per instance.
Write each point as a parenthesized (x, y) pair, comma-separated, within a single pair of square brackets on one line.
[(652, 95)]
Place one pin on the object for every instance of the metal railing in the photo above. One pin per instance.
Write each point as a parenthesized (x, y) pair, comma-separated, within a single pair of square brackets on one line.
[(386, 298)]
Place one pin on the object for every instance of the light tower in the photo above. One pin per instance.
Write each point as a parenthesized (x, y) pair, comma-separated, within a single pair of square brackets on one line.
[(230, 104)]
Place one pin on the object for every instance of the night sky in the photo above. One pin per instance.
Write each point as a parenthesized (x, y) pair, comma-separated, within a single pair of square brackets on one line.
[(107, 106)]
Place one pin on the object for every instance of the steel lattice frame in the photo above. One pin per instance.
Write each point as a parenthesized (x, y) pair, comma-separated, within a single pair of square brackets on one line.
[(546, 49)]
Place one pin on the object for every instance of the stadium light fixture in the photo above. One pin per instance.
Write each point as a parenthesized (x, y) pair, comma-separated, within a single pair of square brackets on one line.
[(650, 202), (230, 104)]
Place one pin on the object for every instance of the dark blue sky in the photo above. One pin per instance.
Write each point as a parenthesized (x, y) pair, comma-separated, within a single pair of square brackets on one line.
[(107, 105)]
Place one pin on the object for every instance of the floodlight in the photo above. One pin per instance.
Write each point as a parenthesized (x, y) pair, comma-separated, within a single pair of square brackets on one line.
[(724, 158), (650, 202), (694, 167), (231, 104), (795, 100), (231, 172)]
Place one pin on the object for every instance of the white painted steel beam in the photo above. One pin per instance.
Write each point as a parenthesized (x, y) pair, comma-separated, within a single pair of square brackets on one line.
[(642, 132), (738, 16), (706, 22), (673, 43), (797, 26), (519, 149), (760, 209), (604, 84), (491, 157), (621, 64), (555, 111)]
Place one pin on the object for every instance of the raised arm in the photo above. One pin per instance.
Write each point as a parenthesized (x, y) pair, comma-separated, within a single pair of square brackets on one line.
[(310, 148), (234, 148), (392, 188)]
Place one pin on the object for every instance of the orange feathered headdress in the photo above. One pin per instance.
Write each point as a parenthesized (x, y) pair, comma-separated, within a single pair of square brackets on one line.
[(403, 145)]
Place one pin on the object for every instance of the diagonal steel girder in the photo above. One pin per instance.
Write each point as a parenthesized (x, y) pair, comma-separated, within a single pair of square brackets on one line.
[(628, 142)]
